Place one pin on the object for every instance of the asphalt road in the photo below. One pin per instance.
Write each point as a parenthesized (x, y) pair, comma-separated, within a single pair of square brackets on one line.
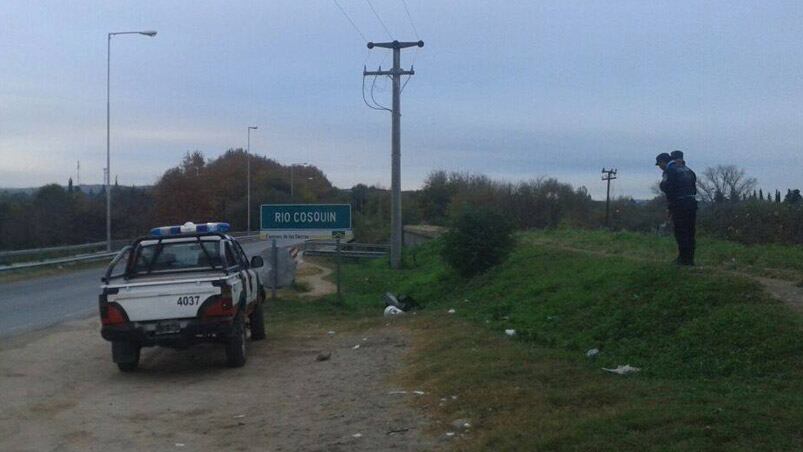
[(41, 302)]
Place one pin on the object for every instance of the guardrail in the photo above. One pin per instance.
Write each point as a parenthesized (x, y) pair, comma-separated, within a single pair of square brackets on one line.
[(328, 248), (242, 235)]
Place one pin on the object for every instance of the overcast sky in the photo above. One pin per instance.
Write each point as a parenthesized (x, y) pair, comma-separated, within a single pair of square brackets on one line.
[(514, 90)]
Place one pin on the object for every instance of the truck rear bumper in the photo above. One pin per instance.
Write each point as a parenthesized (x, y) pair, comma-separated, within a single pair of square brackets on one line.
[(195, 331)]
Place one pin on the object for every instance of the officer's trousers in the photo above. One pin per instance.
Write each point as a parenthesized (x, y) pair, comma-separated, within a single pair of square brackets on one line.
[(685, 221)]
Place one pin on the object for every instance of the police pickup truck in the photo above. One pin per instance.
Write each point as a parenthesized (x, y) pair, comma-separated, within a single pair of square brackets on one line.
[(179, 286)]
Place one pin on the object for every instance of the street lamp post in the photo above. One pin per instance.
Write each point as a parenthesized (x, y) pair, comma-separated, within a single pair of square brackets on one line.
[(248, 176), (108, 128), (293, 165)]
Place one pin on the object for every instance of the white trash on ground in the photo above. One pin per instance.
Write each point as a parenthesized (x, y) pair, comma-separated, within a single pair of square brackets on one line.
[(451, 311), (510, 332), (622, 370), (391, 311), (592, 353)]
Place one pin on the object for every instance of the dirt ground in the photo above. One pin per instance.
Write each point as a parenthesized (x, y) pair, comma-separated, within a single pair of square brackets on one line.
[(59, 390)]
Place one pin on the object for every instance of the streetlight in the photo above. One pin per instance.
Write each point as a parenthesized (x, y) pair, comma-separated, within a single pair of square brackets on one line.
[(248, 175), (293, 165), (108, 128)]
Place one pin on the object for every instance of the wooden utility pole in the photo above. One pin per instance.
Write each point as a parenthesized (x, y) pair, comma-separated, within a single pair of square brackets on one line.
[(608, 175), (395, 74)]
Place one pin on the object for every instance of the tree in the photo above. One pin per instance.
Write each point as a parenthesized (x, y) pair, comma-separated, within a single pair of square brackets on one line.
[(723, 179), (793, 196)]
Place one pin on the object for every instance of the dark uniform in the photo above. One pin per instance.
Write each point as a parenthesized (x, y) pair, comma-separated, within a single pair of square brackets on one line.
[(679, 184)]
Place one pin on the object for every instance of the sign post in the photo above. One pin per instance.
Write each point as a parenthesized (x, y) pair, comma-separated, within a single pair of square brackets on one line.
[(305, 221)]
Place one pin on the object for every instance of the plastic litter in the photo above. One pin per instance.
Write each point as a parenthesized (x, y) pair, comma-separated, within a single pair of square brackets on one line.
[(391, 311), (450, 434), (451, 311), (622, 370), (510, 332), (592, 353), (403, 302), (419, 392), (357, 435), (355, 347), (330, 333), (461, 424)]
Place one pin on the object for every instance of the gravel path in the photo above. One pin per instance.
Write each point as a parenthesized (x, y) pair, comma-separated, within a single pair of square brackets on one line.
[(59, 390)]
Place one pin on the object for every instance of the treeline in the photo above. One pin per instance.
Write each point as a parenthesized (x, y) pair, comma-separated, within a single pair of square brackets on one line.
[(745, 215), (55, 215), (200, 190), (196, 190)]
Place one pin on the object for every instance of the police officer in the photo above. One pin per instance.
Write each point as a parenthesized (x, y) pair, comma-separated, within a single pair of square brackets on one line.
[(679, 184)]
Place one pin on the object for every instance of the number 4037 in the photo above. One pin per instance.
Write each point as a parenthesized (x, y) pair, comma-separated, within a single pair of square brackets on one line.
[(190, 300)]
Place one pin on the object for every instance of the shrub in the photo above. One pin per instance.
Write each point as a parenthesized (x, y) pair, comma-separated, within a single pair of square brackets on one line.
[(478, 239)]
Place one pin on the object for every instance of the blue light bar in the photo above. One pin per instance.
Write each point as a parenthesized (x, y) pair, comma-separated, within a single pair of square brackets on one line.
[(189, 227)]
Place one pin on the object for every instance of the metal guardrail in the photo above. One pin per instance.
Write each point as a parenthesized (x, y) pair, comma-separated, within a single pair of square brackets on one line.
[(63, 260), (328, 248), (79, 258), (53, 249)]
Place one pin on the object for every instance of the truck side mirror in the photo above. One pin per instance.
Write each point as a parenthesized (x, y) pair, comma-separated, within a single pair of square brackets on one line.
[(257, 262)]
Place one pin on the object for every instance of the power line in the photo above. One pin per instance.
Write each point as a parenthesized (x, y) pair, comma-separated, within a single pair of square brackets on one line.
[(404, 2), (350, 21), (415, 54), (379, 18)]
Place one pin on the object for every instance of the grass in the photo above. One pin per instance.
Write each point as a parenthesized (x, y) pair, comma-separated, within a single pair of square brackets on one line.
[(781, 261), (721, 362)]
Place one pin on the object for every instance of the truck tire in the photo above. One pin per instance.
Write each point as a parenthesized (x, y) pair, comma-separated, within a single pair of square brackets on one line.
[(235, 346), (126, 355), (257, 320)]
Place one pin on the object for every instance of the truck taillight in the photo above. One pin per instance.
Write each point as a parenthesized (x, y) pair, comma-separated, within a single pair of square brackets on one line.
[(218, 306), (112, 314)]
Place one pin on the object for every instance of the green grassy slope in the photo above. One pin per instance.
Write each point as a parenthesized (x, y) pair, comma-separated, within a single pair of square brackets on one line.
[(705, 341)]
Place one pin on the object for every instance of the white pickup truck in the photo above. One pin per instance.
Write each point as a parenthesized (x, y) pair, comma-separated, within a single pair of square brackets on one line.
[(179, 286)]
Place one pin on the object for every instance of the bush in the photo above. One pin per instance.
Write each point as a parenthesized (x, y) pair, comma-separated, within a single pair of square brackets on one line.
[(753, 222), (478, 239)]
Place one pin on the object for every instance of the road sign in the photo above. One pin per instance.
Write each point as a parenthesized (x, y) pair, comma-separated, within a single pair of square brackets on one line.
[(305, 221)]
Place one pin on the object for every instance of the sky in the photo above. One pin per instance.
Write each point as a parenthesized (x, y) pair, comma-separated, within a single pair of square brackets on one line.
[(516, 90)]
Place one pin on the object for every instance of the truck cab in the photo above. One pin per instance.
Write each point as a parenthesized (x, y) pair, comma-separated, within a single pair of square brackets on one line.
[(179, 286)]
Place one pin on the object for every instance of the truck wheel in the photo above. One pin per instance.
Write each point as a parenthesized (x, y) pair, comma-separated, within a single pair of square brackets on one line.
[(126, 355), (257, 319), (235, 346)]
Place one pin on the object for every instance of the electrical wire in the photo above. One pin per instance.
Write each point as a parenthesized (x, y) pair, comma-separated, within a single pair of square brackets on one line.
[(372, 96), (380, 19), (404, 2), (415, 53), (350, 21), (366, 100)]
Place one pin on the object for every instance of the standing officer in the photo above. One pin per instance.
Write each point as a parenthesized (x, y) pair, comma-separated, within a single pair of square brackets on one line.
[(679, 184)]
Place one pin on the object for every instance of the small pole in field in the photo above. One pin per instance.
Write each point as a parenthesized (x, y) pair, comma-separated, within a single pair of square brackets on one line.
[(337, 264), (608, 175), (275, 264)]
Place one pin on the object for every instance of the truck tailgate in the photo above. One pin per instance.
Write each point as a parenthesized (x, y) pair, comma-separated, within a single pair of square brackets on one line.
[(168, 300)]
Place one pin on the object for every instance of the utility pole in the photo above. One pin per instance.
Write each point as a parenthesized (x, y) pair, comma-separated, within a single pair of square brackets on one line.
[(395, 74), (608, 175)]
